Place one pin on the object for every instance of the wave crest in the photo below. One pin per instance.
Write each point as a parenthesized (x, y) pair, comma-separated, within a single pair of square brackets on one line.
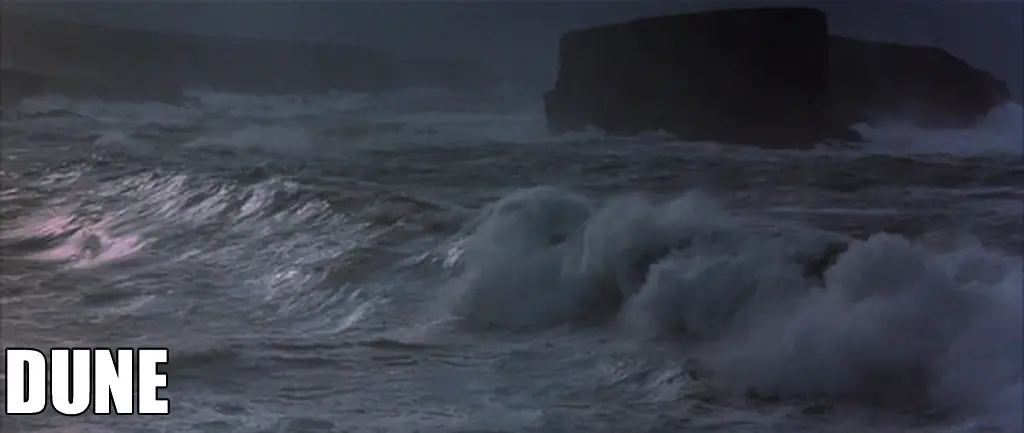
[(771, 310)]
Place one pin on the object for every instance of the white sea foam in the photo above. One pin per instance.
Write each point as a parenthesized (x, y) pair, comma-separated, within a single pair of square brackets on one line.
[(892, 321)]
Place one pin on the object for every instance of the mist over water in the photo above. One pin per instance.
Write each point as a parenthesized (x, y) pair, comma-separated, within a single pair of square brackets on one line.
[(426, 261)]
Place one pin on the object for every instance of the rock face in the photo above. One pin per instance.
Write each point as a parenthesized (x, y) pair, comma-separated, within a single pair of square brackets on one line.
[(925, 85), (142, 59), (745, 75), (771, 77)]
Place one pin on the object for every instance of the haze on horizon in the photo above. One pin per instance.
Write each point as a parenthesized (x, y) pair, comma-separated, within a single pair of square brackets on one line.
[(519, 40)]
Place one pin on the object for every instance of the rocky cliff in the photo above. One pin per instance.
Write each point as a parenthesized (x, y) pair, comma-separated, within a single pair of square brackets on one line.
[(150, 60), (771, 77), (925, 85)]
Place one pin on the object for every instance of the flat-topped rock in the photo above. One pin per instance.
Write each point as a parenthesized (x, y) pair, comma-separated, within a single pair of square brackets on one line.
[(742, 76), (771, 77)]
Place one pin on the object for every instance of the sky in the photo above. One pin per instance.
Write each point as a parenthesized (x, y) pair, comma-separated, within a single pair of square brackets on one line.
[(519, 39)]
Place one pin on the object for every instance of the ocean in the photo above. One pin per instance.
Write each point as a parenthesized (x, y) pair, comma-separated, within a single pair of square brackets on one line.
[(430, 262)]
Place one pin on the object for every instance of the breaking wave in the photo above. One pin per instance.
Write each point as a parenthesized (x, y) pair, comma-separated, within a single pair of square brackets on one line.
[(770, 310), (1001, 132), (123, 211)]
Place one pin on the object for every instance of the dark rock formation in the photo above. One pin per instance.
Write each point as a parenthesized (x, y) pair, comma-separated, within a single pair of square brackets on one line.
[(143, 59), (743, 76), (771, 77), (925, 85)]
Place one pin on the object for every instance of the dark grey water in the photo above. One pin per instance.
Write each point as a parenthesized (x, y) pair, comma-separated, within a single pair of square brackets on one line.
[(422, 263)]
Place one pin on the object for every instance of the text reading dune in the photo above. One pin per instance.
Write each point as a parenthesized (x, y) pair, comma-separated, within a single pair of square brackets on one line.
[(73, 381)]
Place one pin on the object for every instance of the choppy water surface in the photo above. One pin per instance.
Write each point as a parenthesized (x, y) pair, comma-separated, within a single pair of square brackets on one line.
[(420, 262)]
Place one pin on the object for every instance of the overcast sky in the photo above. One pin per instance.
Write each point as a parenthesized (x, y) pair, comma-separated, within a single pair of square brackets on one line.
[(520, 39)]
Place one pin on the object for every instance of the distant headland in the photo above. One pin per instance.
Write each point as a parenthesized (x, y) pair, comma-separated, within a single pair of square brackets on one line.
[(61, 56)]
